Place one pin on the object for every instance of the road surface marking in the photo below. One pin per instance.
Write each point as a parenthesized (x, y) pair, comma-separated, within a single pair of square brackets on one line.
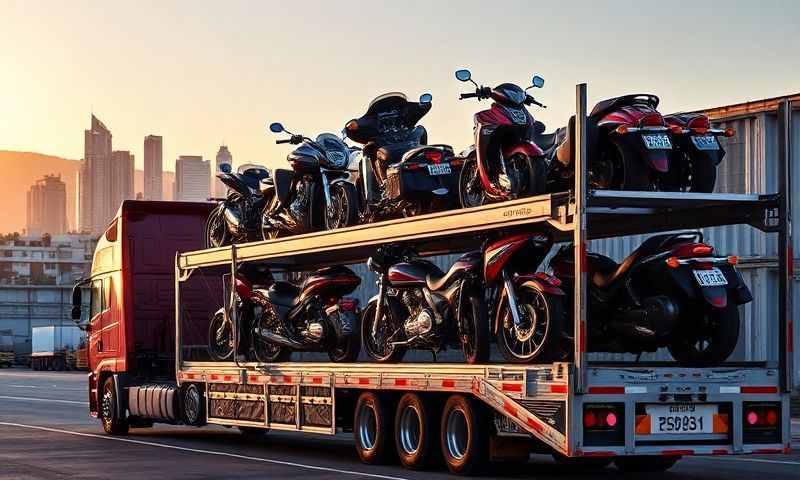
[(33, 399), (743, 459), (50, 387), (207, 452)]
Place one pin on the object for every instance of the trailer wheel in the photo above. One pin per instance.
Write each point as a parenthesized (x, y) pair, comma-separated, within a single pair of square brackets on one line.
[(415, 431), (372, 429), (646, 463), (114, 422), (464, 436), (193, 405)]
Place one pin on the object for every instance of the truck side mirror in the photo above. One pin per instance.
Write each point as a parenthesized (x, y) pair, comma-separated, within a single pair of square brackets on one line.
[(77, 298)]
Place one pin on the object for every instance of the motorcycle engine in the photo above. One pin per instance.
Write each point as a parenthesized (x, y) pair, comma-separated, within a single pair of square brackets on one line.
[(420, 319)]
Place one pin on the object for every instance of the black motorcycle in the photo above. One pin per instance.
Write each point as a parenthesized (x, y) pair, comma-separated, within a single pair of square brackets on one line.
[(670, 292), (237, 217), (316, 194), (277, 317), (419, 306), (399, 175)]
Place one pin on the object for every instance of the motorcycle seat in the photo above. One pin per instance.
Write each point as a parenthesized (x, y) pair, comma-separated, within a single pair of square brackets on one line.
[(284, 293), (438, 280), (680, 118), (446, 150), (546, 141), (393, 153)]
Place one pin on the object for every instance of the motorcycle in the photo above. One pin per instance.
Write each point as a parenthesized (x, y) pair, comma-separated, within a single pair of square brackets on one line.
[(399, 175), (419, 306), (697, 153), (237, 217), (670, 292), (277, 317), (504, 163), (527, 306), (628, 147), (316, 194)]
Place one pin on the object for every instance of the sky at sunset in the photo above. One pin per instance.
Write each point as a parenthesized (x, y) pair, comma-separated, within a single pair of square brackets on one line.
[(200, 73)]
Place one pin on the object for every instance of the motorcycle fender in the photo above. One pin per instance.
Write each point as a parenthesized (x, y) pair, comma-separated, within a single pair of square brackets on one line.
[(714, 156), (715, 296), (543, 283), (526, 148), (633, 144), (741, 292)]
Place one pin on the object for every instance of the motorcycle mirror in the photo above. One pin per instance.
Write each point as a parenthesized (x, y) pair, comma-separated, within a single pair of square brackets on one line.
[(276, 127), (225, 167), (463, 75), (537, 81), (425, 98)]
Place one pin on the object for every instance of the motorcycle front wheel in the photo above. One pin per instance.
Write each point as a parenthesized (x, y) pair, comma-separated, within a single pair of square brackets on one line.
[(220, 337), (378, 347), (542, 339), (343, 210), (474, 331), (264, 351), (710, 341), (470, 191), (217, 234)]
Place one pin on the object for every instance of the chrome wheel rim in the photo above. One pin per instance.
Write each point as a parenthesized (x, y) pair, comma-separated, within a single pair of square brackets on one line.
[(192, 403), (335, 215), (457, 435), (410, 430), (473, 193), (367, 427), (108, 406), (525, 343), (216, 229)]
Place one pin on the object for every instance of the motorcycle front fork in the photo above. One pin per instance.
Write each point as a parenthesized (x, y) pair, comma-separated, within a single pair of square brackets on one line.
[(326, 190), (379, 306), (508, 285)]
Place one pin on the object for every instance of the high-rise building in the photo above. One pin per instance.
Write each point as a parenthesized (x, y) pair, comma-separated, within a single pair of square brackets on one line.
[(191, 179), (95, 184), (121, 179), (223, 156), (153, 171), (47, 206)]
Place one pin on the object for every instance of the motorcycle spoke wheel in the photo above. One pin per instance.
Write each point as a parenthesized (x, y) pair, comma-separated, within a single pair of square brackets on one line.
[(216, 230), (539, 336), (220, 341), (469, 186), (264, 351), (379, 346)]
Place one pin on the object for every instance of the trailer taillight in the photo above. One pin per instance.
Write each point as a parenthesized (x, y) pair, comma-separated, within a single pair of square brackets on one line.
[(603, 425), (761, 422)]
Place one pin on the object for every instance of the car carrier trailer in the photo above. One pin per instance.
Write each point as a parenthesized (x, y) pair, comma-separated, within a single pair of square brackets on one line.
[(581, 411)]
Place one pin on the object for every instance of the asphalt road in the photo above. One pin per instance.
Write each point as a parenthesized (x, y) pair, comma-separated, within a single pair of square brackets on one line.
[(46, 433)]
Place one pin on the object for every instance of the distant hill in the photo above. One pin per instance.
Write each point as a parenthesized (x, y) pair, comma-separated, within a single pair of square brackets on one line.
[(19, 170)]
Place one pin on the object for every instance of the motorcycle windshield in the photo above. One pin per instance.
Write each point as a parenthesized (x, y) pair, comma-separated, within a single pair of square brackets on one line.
[(394, 105), (336, 150)]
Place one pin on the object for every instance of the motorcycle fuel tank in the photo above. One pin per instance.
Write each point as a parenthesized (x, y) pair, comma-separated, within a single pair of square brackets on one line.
[(408, 275)]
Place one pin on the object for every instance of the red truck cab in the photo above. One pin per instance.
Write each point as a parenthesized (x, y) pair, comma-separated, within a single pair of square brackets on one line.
[(130, 326)]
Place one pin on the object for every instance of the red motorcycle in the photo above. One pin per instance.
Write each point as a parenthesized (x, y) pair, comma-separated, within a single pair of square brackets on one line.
[(694, 164), (628, 145), (504, 163), (528, 305)]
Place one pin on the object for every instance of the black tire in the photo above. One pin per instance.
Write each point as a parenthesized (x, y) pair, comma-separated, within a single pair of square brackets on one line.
[(216, 231), (373, 427), (543, 342), (378, 351), (475, 340), (710, 341), (618, 170), (645, 463), (704, 174), (220, 337), (193, 405), (349, 346), (253, 431), (264, 351), (344, 208), (537, 183), (470, 194), (112, 414), (464, 436), (416, 431)]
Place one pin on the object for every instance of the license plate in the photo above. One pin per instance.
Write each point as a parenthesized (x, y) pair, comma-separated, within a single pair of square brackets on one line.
[(657, 142), (681, 418), (705, 142), (710, 278), (440, 169)]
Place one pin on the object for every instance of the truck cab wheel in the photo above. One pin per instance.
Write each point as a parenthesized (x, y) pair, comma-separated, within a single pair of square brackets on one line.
[(372, 428), (645, 463), (114, 421), (464, 435), (415, 431), (193, 405)]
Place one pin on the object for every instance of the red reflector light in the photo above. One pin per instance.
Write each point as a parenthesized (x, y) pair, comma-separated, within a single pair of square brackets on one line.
[(434, 156), (772, 417), (752, 418), (729, 132), (622, 129), (589, 419), (611, 419), (700, 122), (702, 250), (653, 119)]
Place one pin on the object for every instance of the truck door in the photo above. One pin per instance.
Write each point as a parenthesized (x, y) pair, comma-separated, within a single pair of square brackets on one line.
[(103, 340)]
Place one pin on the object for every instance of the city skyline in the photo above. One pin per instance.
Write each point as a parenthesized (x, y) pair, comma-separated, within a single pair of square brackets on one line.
[(47, 207)]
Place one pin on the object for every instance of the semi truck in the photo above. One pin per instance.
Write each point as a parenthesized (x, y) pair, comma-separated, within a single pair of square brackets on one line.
[(154, 289), (55, 347)]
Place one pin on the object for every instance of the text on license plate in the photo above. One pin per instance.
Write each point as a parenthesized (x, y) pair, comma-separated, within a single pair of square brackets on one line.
[(705, 142), (710, 278), (440, 169), (657, 142), (681, 418)]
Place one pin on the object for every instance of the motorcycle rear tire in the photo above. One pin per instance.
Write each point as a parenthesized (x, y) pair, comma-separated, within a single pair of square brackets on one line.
[(635, 175), (349, 347), (478, 320), (704, 174), (223, 236), (393, 355), (724, 335)]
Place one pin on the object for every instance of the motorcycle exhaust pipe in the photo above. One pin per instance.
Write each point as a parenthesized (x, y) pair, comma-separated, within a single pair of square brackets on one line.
[(273, 337)]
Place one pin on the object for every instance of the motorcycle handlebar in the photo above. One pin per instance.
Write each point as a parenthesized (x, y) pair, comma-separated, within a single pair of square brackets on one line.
[(531, 101), (467, 95), (287, 140)]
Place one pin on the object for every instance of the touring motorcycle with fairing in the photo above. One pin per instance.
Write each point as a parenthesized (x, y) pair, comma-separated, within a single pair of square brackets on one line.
[(237, 217), (316, 194), (399, 174), (276, 318), (504, 163), (673, 291)]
